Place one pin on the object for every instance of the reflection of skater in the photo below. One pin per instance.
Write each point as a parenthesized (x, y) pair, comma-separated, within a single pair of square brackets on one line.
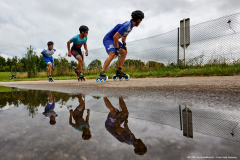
[(47, 56), (49, 110), (113, 125), (81, 124)]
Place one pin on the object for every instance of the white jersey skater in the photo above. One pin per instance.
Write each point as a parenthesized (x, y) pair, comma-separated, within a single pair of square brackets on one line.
[(48, 53)]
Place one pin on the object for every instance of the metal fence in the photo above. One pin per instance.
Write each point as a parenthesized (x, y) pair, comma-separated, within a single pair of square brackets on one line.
[(211, 42)]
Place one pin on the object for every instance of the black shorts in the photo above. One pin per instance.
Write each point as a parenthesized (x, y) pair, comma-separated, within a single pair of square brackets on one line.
[(76, 52)]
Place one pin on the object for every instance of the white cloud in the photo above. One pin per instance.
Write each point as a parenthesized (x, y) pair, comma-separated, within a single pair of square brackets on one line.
[(6, 56)]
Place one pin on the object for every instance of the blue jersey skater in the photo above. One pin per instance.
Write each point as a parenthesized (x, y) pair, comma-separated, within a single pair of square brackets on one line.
[(124, 29), (47, 55)]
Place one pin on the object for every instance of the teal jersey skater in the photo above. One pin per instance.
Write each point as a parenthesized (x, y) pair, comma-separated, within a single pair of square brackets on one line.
[(78, 41)]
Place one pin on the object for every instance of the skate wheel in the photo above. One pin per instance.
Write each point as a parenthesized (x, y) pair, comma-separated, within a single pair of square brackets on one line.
[(100, 80), (127, 77), (105, 79), (84, 79), (97, 79), (120, 78), (78, 79), (114, 77)]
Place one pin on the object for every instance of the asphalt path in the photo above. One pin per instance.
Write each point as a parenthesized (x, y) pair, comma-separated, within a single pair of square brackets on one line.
[(218, 91)]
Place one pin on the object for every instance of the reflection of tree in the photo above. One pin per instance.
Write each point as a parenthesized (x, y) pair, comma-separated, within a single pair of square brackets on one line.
[(96, 97), (32, 99)]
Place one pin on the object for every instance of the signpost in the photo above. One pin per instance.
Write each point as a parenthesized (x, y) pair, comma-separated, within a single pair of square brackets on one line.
[(185, 35)]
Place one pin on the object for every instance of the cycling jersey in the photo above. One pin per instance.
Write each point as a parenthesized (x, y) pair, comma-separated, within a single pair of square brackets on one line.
[(124, 29), (77, 41), (48, 53)]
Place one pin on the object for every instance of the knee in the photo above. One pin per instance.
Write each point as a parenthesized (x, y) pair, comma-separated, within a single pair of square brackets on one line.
[(50, 64), (123, 52), (80, 59), (125, 113), (111, 55)]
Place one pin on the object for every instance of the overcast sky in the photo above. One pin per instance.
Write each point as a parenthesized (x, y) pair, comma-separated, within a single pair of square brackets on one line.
[(25, 22)]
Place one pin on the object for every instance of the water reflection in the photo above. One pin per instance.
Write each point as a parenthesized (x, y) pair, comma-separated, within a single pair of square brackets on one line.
[(49, 110), (80, 124), (123, 134), (188, 120)]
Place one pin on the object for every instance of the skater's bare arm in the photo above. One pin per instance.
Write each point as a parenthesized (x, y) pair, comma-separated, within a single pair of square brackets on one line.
[(68, 46), (115, 39), (88, 114), (70, 117), (124, 39), (85, 47)]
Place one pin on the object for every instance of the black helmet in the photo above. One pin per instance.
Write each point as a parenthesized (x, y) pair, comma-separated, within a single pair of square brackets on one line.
[(50, 43), (137, 15), (83, 29)]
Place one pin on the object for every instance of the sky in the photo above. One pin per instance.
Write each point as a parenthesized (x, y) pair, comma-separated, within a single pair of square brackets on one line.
[(24, 23)]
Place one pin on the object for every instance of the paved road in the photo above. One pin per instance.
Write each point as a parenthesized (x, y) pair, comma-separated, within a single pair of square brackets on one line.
[(215, 91)]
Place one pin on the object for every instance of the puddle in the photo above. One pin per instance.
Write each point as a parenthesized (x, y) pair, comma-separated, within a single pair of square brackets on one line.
[(52, 125)]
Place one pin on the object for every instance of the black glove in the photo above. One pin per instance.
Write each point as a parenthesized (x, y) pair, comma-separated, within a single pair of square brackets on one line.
[(117, 51), (124, 46)]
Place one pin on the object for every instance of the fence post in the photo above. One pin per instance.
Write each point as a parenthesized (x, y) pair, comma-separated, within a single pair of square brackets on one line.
[(178, 48)]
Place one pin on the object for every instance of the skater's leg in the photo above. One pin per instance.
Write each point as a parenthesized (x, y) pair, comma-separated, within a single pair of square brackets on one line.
[(81, 103), (49, 68), (111, 56), (50, 97), (124, 112), (110, 106), (80, 63), (123, 54)]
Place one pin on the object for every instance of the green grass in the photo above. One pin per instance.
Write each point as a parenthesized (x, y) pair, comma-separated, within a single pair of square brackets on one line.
[(5, 89), (170, 71)]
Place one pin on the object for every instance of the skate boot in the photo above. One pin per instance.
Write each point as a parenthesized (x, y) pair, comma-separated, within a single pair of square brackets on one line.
[(102, 77), (50, 79), (75, 70), (81, 77), (120, 75)]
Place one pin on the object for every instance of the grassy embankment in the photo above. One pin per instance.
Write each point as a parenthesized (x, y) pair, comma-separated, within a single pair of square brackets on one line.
[(169, 71)]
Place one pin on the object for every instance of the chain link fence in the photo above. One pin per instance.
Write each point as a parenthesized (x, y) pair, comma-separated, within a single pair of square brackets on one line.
[(212, 42)]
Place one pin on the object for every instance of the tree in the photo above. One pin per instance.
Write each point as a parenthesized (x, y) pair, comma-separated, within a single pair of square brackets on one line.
[(2, 61), (131, 63), (9, 62), (72, 63), (14, 60), (19, 66), (153, 64), (31, 62), (95, 64)]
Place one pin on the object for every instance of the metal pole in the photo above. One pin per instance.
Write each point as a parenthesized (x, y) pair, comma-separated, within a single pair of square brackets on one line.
[(178, 48), (186, 118), (180, 115), (184, 42)]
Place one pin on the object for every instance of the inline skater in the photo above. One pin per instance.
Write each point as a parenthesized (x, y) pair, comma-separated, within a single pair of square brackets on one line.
[(78, 41), (47, 56), (114, 47)]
